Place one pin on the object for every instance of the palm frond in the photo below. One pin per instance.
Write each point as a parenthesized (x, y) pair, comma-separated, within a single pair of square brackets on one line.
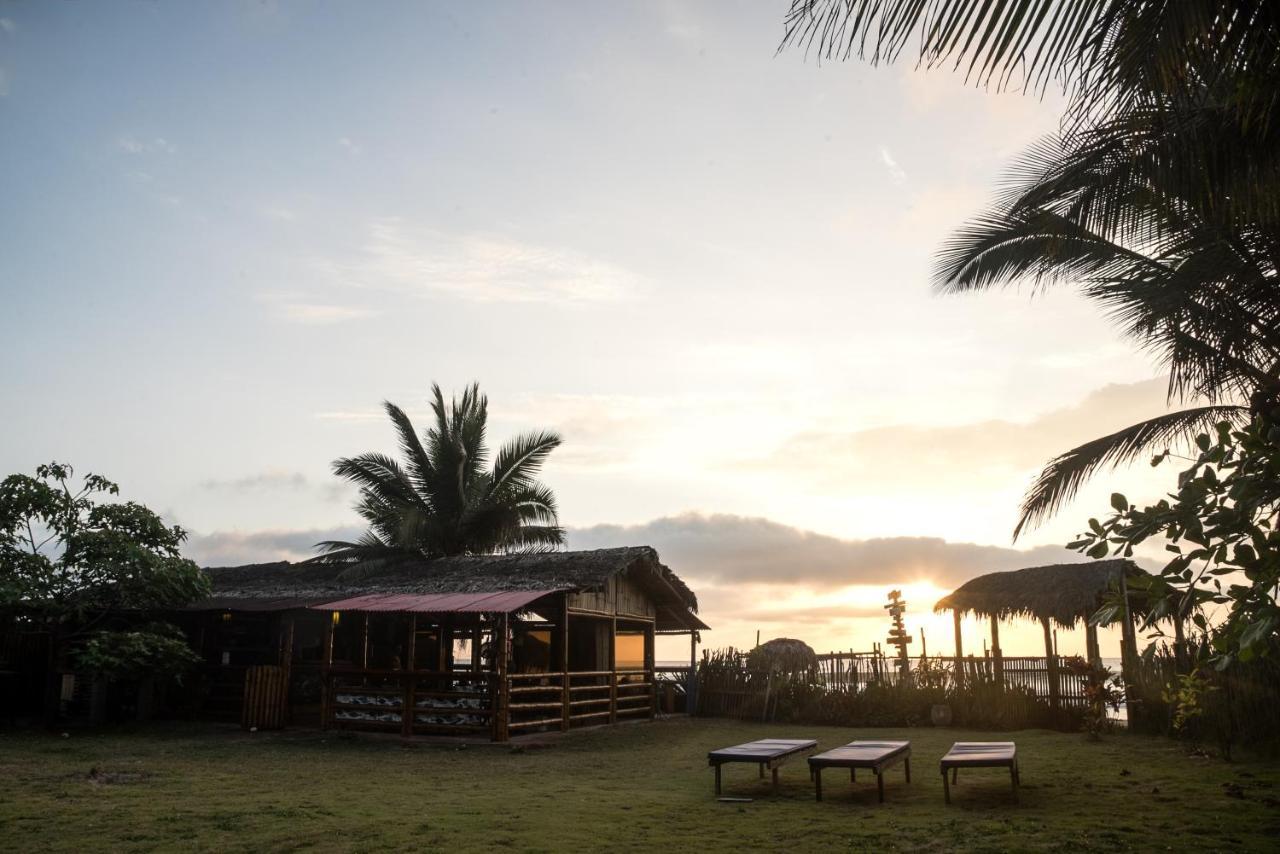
[(520, 459), (1062, 477)]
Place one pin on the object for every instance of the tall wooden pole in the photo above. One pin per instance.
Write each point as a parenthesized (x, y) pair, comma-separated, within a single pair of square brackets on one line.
[(959, 650)]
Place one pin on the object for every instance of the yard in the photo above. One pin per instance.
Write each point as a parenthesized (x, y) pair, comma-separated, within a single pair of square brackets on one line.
[(641, 787)]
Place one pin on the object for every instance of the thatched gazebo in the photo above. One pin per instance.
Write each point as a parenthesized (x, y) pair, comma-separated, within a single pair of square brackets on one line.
[(1064, 593)]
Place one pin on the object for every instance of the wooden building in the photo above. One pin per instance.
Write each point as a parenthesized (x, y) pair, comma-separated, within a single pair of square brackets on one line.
[(475, 645)]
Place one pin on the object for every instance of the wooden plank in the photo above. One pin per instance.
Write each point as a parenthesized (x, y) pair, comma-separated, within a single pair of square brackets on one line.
[(564, 662)]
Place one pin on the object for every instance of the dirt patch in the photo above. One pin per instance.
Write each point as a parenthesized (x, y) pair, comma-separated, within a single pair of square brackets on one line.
[(99, 777)]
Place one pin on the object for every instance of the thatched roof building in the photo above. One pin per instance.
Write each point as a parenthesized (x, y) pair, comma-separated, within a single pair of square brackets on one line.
[(1064, 593), (284, 585)]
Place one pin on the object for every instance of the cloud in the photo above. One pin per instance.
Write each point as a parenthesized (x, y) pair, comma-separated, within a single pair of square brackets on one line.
[(907, 457), (233, 548), (894, 169), (134, 145), (726, 549), (7, 25), (298, 308), (252, 483), (484, 268), (4, 83), (279, 481), (349, 145)]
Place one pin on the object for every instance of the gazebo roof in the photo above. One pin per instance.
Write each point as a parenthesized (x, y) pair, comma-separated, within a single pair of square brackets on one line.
[(1062, 592)]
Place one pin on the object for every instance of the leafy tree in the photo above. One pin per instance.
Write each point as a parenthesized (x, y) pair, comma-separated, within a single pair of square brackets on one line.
[(446, 498), (69, 561), (1222, 528)]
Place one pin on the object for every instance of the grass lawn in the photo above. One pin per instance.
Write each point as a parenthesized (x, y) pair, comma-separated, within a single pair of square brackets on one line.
[(641, 787)]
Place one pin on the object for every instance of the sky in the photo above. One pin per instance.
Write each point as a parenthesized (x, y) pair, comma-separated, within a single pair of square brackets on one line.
[(230, 231)]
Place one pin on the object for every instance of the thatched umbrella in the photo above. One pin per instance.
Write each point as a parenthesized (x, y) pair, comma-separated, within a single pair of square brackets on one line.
[(1063, 593), (784, 656)]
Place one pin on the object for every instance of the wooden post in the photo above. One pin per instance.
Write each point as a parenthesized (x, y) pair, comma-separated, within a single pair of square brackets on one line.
[(1128, 649), (997, 656), (325, 679), (501, 719), (1050, 663), (407, 711), (650, 668), (613, 670), (691, 685), (364, 643), (1180, 655), (959, 650), (1091, 651), (565, 708)]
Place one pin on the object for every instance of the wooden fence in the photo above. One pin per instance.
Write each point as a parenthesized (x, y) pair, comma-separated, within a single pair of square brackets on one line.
[(726, 687)]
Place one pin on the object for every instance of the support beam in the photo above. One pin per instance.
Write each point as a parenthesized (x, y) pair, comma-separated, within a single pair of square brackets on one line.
[(409, 665), (959, 650), (1091, 651), (613, 670), (1128, 649), (650, 669), (565, 709), (502, 717), (1051, 663), (325, 664)]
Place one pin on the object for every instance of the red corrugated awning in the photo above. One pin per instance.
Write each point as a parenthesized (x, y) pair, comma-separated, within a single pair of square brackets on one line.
[(241, 603), (504, 602)]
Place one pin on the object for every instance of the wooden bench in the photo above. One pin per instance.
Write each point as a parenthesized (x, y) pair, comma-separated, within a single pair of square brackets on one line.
[(979, 754), (767, 753), (875, 755)]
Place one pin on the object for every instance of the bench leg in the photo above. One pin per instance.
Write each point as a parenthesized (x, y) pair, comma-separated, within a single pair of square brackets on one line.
[(775, 780), (946, 787), (907, 764), (761, 770), (880, 785), (955, 775), (817, 782), (717, 781), (853, 775), (1013, 773)]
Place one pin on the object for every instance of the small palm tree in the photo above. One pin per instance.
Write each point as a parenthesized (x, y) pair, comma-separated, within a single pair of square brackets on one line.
[(445, 498)]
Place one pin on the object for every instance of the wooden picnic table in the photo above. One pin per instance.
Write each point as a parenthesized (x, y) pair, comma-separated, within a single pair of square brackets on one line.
[(875, 755), (768, 753)]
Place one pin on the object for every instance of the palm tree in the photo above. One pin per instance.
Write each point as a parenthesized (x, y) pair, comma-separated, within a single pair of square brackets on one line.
[(1198, 289), (1160, 196), (445, 498)]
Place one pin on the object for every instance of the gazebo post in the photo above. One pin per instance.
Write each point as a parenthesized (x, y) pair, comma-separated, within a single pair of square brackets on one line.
[(1091, 642), (1128, 647), (955, 613), (1050, 663), (996, 655)]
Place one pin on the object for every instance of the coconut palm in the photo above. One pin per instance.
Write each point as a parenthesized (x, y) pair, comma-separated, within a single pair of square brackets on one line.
[(1197, 287), (1160, 197), (444, 497)]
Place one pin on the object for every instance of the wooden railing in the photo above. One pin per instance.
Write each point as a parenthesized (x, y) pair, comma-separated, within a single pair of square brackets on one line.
[(409, 701), (475, 703), (577, 698)]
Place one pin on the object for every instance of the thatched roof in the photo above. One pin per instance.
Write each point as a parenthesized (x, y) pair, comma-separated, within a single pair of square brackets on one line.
[(783, 655), (255, 584), (1063, 592)]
